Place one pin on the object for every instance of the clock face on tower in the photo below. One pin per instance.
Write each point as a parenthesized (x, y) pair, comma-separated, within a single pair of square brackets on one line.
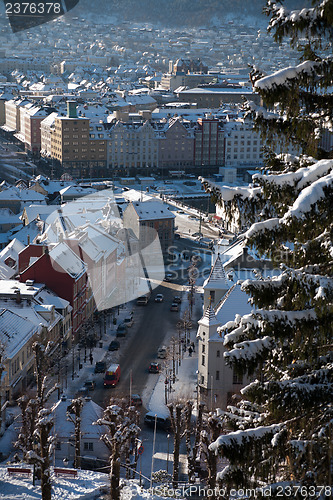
[(24, 14)]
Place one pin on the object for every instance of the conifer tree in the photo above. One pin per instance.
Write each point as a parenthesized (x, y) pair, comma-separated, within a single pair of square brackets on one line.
[(282, 430)]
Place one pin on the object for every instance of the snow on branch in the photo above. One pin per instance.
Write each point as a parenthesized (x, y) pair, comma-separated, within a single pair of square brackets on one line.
[(262, 112), (228, 193), (283, 76), (249, 349), (281, 15), (308, 198), (318, 176), (301, 177), (289, 317), (240, 438)]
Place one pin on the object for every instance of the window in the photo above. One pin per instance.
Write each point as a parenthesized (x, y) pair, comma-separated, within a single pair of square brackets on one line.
[(202, 379), (237, 378), (212, 295), (203, 347), (217, 375), (218, 354), (203, 360), (88, 446)]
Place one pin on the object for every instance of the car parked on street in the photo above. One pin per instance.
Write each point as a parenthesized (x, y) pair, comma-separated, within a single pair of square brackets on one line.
[(90, 385), (129, 321), (168, 277), (136, 400), (83, 391), (121, 330), (114, 346), (159, 297), (100, 366), (154, 368), (162, 352), (162, 422)]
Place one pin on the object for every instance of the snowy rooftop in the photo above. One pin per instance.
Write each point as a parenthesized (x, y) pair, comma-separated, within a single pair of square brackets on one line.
[(68, 260), (148, 210)]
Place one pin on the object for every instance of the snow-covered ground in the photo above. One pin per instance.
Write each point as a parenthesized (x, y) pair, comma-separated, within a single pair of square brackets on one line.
[(88, 485)]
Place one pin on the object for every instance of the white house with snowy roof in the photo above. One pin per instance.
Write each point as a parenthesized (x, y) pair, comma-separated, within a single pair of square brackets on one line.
[(146, 218), (92, 447), (217, 382)]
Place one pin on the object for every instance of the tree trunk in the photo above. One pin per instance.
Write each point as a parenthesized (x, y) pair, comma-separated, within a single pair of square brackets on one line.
[(115, 474), (46, 486), (177, 438)]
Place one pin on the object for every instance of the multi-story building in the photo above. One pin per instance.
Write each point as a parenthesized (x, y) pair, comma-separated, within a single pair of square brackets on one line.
[(175, 143), (148, 218), (218, 382), (31, 117), (63, 272), (46, 129), (27, 310), (13, 114), (70, 141), (214, 97), (243, 146), (209, 142), (133, 145)]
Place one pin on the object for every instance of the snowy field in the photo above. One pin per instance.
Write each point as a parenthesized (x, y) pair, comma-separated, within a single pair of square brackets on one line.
[(87, 485)]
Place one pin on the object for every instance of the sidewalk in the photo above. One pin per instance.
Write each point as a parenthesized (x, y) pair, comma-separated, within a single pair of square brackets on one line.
[(185, 387)]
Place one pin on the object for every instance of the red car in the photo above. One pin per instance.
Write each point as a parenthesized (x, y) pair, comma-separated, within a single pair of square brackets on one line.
[(154, 368)]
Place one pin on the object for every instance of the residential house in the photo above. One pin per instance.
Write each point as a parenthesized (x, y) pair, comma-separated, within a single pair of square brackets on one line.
[(91, 445), (148, 219), (63, 272), (217, 382)]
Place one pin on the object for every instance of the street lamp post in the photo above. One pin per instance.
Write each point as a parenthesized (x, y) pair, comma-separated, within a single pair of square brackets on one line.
[(167, 467)]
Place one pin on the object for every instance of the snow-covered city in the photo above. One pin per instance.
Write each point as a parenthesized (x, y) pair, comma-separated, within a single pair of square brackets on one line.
[(166, 281)]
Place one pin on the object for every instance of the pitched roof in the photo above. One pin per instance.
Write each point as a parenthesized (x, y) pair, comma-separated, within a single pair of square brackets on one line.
[(148, 210), (68, 260), (217, 278), (209, 318)]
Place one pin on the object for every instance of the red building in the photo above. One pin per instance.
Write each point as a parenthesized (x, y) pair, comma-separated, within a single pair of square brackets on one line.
[(63, 272)]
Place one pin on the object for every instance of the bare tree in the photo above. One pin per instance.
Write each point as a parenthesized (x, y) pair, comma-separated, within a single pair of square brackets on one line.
[(122, 431), (213, 426), (44, 447), (192, 448), (34, 439), (74, 412), (178, 428)]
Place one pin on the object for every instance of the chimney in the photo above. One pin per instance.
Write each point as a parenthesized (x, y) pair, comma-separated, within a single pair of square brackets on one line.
[(71, 109), (17, 296)]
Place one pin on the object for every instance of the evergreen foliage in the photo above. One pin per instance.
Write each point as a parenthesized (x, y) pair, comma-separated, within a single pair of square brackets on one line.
[(282, 430)]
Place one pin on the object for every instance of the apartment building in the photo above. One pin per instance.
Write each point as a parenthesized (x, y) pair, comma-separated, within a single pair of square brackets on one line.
[(148, 218), (243, 146), (175, 143), (13, 114), (133, 145), (209, 142), (31, 117), (70, 140)]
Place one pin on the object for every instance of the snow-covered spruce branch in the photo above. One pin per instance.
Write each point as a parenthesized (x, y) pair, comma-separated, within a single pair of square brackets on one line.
[(308, 201), (301, 178), (243, 325), (235, 442), (306, 391), (290, 22), (307, 70), (249, 350)]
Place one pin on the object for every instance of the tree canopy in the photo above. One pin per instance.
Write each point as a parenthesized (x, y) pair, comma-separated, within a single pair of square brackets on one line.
[(282, 430)]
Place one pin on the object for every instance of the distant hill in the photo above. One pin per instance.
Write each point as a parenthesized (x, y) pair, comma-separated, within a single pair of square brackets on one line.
[(179, 12)]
